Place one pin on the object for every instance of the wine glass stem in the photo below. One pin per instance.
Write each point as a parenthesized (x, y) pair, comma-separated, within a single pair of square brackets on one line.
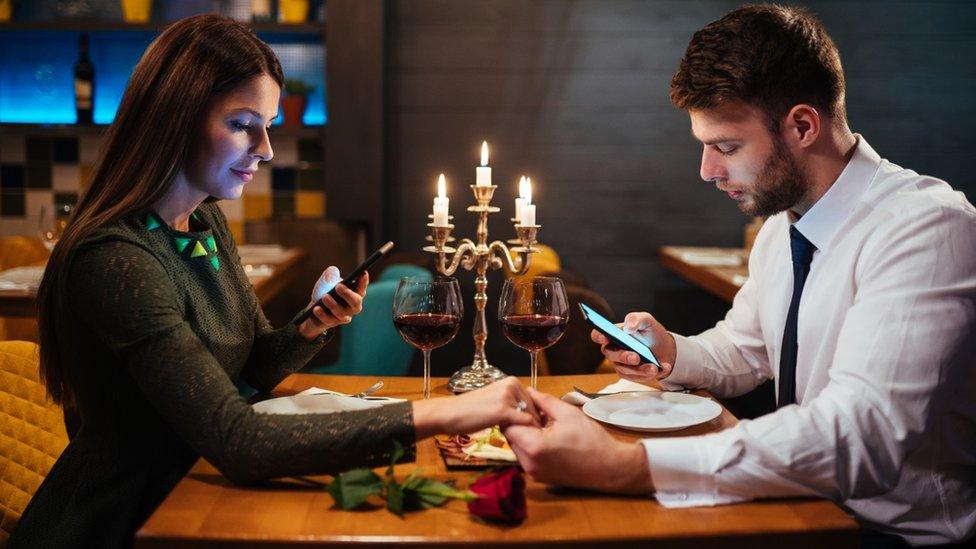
[(426, 375), (535, 368)]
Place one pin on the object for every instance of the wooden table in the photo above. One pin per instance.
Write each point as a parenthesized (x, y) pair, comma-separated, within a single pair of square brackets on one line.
[(282, 266), (205, 510), (722, 281)]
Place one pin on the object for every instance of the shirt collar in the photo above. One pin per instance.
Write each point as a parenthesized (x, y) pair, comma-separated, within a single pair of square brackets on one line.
[(822, 221)]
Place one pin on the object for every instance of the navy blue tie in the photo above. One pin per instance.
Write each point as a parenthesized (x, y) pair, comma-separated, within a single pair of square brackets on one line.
[(802, 255)]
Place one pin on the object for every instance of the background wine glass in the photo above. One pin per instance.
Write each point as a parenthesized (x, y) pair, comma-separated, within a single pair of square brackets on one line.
[(427, 313), (51, 223), (534, 313)]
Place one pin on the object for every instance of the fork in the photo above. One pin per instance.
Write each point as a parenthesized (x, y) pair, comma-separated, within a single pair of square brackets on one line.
[(597, 395), (369, 390)]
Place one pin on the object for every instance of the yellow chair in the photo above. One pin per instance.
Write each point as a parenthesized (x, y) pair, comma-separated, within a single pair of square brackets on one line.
[(32, 434)]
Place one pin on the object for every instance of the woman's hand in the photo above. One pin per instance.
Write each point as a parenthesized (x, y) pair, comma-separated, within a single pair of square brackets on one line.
[(627, 363), (334, 314), (504, 402)]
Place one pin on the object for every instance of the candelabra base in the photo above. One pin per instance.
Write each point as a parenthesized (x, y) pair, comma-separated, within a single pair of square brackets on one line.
[(474, 377)]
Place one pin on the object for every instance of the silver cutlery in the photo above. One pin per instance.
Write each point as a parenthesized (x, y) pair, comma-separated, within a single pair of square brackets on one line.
[(369, 390), (597, 395)]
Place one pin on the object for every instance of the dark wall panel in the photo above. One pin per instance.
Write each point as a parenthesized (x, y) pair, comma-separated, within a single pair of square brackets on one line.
[(575, 94)]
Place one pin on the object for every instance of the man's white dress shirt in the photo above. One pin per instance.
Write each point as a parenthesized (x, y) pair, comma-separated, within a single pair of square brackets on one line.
[(885, 420)]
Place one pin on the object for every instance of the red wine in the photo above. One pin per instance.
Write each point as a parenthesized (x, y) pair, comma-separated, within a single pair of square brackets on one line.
[(427, 331), (533, 332)]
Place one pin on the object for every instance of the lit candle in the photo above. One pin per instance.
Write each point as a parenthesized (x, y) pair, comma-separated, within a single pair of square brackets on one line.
[(483, 172), (441, 203), (522, 199), (528, 209)]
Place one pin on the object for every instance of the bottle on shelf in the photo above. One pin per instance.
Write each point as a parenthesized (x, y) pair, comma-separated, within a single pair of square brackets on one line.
[(84, 82)]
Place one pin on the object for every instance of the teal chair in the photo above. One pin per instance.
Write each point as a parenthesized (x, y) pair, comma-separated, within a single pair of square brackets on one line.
[(370, 345)]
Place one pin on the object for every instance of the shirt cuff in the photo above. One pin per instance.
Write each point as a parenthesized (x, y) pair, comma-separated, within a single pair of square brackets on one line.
[(687, 363), (683, 473)]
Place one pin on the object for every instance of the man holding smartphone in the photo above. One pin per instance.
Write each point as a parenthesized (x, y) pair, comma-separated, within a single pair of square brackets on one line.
[(861, 305)]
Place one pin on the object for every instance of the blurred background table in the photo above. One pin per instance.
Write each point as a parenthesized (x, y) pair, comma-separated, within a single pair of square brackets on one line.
[(719, 271), (270, 269), (206, 510)]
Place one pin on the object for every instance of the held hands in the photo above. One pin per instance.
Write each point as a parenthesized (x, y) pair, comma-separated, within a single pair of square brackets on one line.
[(628, 365), (333, 314), (494, 404), (573, 450)]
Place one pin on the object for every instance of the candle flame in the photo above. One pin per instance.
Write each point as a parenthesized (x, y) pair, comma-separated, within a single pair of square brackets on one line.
[(441, 187), (528, 190), (484, 153), (522, 187)]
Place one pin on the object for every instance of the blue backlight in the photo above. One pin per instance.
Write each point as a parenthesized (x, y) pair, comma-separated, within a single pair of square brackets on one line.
[(37, 72)]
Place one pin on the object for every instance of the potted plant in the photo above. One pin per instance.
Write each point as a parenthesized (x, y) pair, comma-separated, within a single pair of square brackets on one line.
[(294, 100)]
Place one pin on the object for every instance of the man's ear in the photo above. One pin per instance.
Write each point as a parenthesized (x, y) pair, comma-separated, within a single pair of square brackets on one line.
[(802, 125)]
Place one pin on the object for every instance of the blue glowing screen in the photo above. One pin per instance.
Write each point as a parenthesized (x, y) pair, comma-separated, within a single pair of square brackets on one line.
[(37, 72)]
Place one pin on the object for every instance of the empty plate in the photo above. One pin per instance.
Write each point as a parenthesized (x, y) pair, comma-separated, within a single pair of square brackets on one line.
[(652, 411)]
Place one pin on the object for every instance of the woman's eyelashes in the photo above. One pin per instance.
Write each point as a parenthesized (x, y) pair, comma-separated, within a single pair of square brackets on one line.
[(246, 126)]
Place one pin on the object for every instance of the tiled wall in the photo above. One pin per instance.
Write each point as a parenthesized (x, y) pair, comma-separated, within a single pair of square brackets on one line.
[(50, 171)]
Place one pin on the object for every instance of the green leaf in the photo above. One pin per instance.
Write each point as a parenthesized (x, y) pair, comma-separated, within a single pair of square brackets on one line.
[(395, 456), (352, 488), (394, 497)]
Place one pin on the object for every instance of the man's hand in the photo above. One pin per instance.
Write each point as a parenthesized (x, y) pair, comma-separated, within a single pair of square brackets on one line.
[(573, 450), (627, 363)]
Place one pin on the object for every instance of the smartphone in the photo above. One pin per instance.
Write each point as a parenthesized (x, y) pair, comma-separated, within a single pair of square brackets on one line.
[(619, 337), (348, 281)]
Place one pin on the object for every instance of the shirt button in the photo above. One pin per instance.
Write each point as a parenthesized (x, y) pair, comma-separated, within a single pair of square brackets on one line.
[(683, 496)]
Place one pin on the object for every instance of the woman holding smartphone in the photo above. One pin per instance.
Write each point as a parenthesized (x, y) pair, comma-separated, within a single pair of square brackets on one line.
[(147, 319)]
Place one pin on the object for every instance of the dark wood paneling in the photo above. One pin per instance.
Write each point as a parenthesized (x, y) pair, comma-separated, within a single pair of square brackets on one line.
[(575, 94), (355, 133)]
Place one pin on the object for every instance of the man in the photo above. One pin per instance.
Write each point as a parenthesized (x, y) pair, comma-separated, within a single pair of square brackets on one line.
[(861, 304)]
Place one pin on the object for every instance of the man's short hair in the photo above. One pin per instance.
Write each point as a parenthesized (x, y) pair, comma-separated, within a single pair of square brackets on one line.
[(769, 56)]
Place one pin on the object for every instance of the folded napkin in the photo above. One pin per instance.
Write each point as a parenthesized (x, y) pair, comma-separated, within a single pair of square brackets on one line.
[(320, 401), (716, 259), (577, 399), (21, 278)]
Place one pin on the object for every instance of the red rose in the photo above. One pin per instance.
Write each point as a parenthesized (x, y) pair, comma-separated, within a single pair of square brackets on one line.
[(501, 496)]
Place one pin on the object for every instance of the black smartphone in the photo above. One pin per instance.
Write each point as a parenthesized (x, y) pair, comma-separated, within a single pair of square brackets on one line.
[(619, 337), (348, 281)]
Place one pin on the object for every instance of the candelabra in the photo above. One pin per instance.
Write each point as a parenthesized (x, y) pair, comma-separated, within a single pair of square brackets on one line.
[(480, 256)]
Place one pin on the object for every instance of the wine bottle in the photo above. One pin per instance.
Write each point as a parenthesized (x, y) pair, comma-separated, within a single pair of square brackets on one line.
[(84, 82)]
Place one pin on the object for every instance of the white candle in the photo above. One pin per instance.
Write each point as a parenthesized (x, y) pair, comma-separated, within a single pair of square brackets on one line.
[(441, 203), (528, 208), (483, 172), (521, 201), (528, 215)]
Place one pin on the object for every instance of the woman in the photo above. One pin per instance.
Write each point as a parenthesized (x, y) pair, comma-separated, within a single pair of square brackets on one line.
[(147, 319)]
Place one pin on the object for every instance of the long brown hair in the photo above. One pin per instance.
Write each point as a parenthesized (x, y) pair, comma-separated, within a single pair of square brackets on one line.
[(185, 68)]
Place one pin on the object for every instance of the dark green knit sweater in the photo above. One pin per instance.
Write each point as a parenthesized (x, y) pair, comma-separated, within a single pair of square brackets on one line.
[(166, 323)]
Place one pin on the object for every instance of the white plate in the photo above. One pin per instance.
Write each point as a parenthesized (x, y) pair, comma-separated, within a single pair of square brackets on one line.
[(652, 411)]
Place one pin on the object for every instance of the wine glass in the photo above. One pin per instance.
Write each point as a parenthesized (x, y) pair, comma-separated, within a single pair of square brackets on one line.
[(427, 313), (51, 223), (534, 313)]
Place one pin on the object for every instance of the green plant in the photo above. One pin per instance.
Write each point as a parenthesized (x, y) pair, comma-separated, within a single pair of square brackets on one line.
[(295, 86)]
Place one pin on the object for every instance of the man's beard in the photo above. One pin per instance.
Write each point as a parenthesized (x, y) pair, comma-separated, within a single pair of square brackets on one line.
[(779, 186)]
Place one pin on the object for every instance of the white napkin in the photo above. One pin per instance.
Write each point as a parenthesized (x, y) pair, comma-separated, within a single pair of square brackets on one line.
[(21, 278), (577, 399), (320, 401), (716, 259)]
